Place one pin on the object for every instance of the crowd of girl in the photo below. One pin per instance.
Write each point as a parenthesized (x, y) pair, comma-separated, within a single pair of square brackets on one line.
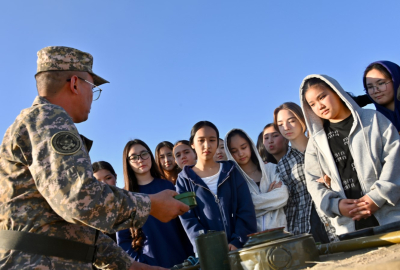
[(326, 168)]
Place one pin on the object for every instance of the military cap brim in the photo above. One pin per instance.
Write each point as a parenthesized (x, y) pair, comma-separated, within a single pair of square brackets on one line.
[(97, 80), (60, 58)]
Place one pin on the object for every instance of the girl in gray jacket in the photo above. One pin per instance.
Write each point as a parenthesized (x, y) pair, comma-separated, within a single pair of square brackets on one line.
[(358, 149)]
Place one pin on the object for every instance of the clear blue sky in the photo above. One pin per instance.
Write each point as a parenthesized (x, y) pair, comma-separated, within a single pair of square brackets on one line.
[(173, 63)]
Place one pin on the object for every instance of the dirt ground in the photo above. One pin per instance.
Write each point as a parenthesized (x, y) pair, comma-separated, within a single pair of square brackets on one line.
[(382, 258)]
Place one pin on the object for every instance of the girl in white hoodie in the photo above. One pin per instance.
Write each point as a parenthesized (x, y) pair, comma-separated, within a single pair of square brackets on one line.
[(358, 149), (268, 193)]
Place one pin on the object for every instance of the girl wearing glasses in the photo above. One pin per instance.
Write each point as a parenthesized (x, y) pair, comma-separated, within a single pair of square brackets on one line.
[(156, 243), (223, 198), (184, 154), (166, 162), (381, 82), (268, 193)]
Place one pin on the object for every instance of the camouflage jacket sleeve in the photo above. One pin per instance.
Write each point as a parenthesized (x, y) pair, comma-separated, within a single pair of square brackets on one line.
[(110, 256), (63, 174)]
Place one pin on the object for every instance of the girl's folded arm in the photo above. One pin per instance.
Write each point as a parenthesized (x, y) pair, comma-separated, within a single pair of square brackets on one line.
[(326, 199)]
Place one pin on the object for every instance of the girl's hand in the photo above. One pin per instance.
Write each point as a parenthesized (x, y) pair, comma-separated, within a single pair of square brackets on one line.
[(327, 181), (274, 185), (347, 207), (365, 208), (231, 247)]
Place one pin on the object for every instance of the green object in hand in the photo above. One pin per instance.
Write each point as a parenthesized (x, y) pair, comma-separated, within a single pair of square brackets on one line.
[(188, 198)]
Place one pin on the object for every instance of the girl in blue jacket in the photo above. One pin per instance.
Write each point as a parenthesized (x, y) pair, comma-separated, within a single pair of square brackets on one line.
[(223, 197), (156, 243), (381, 82)]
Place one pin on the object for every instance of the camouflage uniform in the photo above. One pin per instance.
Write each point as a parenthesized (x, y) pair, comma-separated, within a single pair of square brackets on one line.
[(45, 191)]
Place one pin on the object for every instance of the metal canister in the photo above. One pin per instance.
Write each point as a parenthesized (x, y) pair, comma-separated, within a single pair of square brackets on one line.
[(286, 253), (212, 249)]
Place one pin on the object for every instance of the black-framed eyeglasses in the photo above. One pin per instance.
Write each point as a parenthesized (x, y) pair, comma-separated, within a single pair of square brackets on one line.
[(95, 89), (382, 86), (135, 158)]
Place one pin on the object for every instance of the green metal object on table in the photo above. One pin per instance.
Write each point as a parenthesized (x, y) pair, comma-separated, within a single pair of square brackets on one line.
[(271, 252), (188, 198), (266, 236), (379, 240), (387, 228), (212, 249)]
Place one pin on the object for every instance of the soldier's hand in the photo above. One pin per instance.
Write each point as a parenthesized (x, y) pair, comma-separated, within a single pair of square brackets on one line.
[(142, 266), (164, 207)]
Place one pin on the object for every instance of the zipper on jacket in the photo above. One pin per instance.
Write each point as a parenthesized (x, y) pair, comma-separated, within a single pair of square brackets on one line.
[(223, 181), (216, 200), (220, 211)]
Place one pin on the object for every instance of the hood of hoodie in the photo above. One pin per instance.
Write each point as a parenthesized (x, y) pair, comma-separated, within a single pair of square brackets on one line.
[(260, 161), (394, 70), (314, 122), (188, 173)]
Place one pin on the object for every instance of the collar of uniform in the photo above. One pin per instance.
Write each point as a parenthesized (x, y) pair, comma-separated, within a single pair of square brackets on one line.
[(88, 143), (40, 100)]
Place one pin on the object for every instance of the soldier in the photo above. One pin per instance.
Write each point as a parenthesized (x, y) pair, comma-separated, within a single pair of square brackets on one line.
[(51, 207)]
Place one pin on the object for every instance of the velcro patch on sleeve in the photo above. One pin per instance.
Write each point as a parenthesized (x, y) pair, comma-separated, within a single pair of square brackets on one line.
[(65, 143)]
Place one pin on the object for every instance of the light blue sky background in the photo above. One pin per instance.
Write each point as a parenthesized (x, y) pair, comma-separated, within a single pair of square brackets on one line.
[(173, 63)]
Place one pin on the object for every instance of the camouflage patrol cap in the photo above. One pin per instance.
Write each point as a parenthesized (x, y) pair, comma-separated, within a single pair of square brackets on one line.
[(60, 58)]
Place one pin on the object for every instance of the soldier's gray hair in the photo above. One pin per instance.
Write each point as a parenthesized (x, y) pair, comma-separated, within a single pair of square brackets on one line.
[(49, 83)]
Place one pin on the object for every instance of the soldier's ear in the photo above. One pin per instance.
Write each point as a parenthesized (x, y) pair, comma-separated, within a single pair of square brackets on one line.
[(72, 85)]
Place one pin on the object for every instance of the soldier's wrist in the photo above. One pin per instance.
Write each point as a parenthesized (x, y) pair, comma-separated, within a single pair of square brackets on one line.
[(142, 210)]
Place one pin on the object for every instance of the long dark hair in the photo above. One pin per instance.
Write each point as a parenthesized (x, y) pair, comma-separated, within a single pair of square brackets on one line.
[(266, 157), (198, 126), (131, 184), (286, 140), (253, 156), (175, 171), (103, 165), (130, 180)]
